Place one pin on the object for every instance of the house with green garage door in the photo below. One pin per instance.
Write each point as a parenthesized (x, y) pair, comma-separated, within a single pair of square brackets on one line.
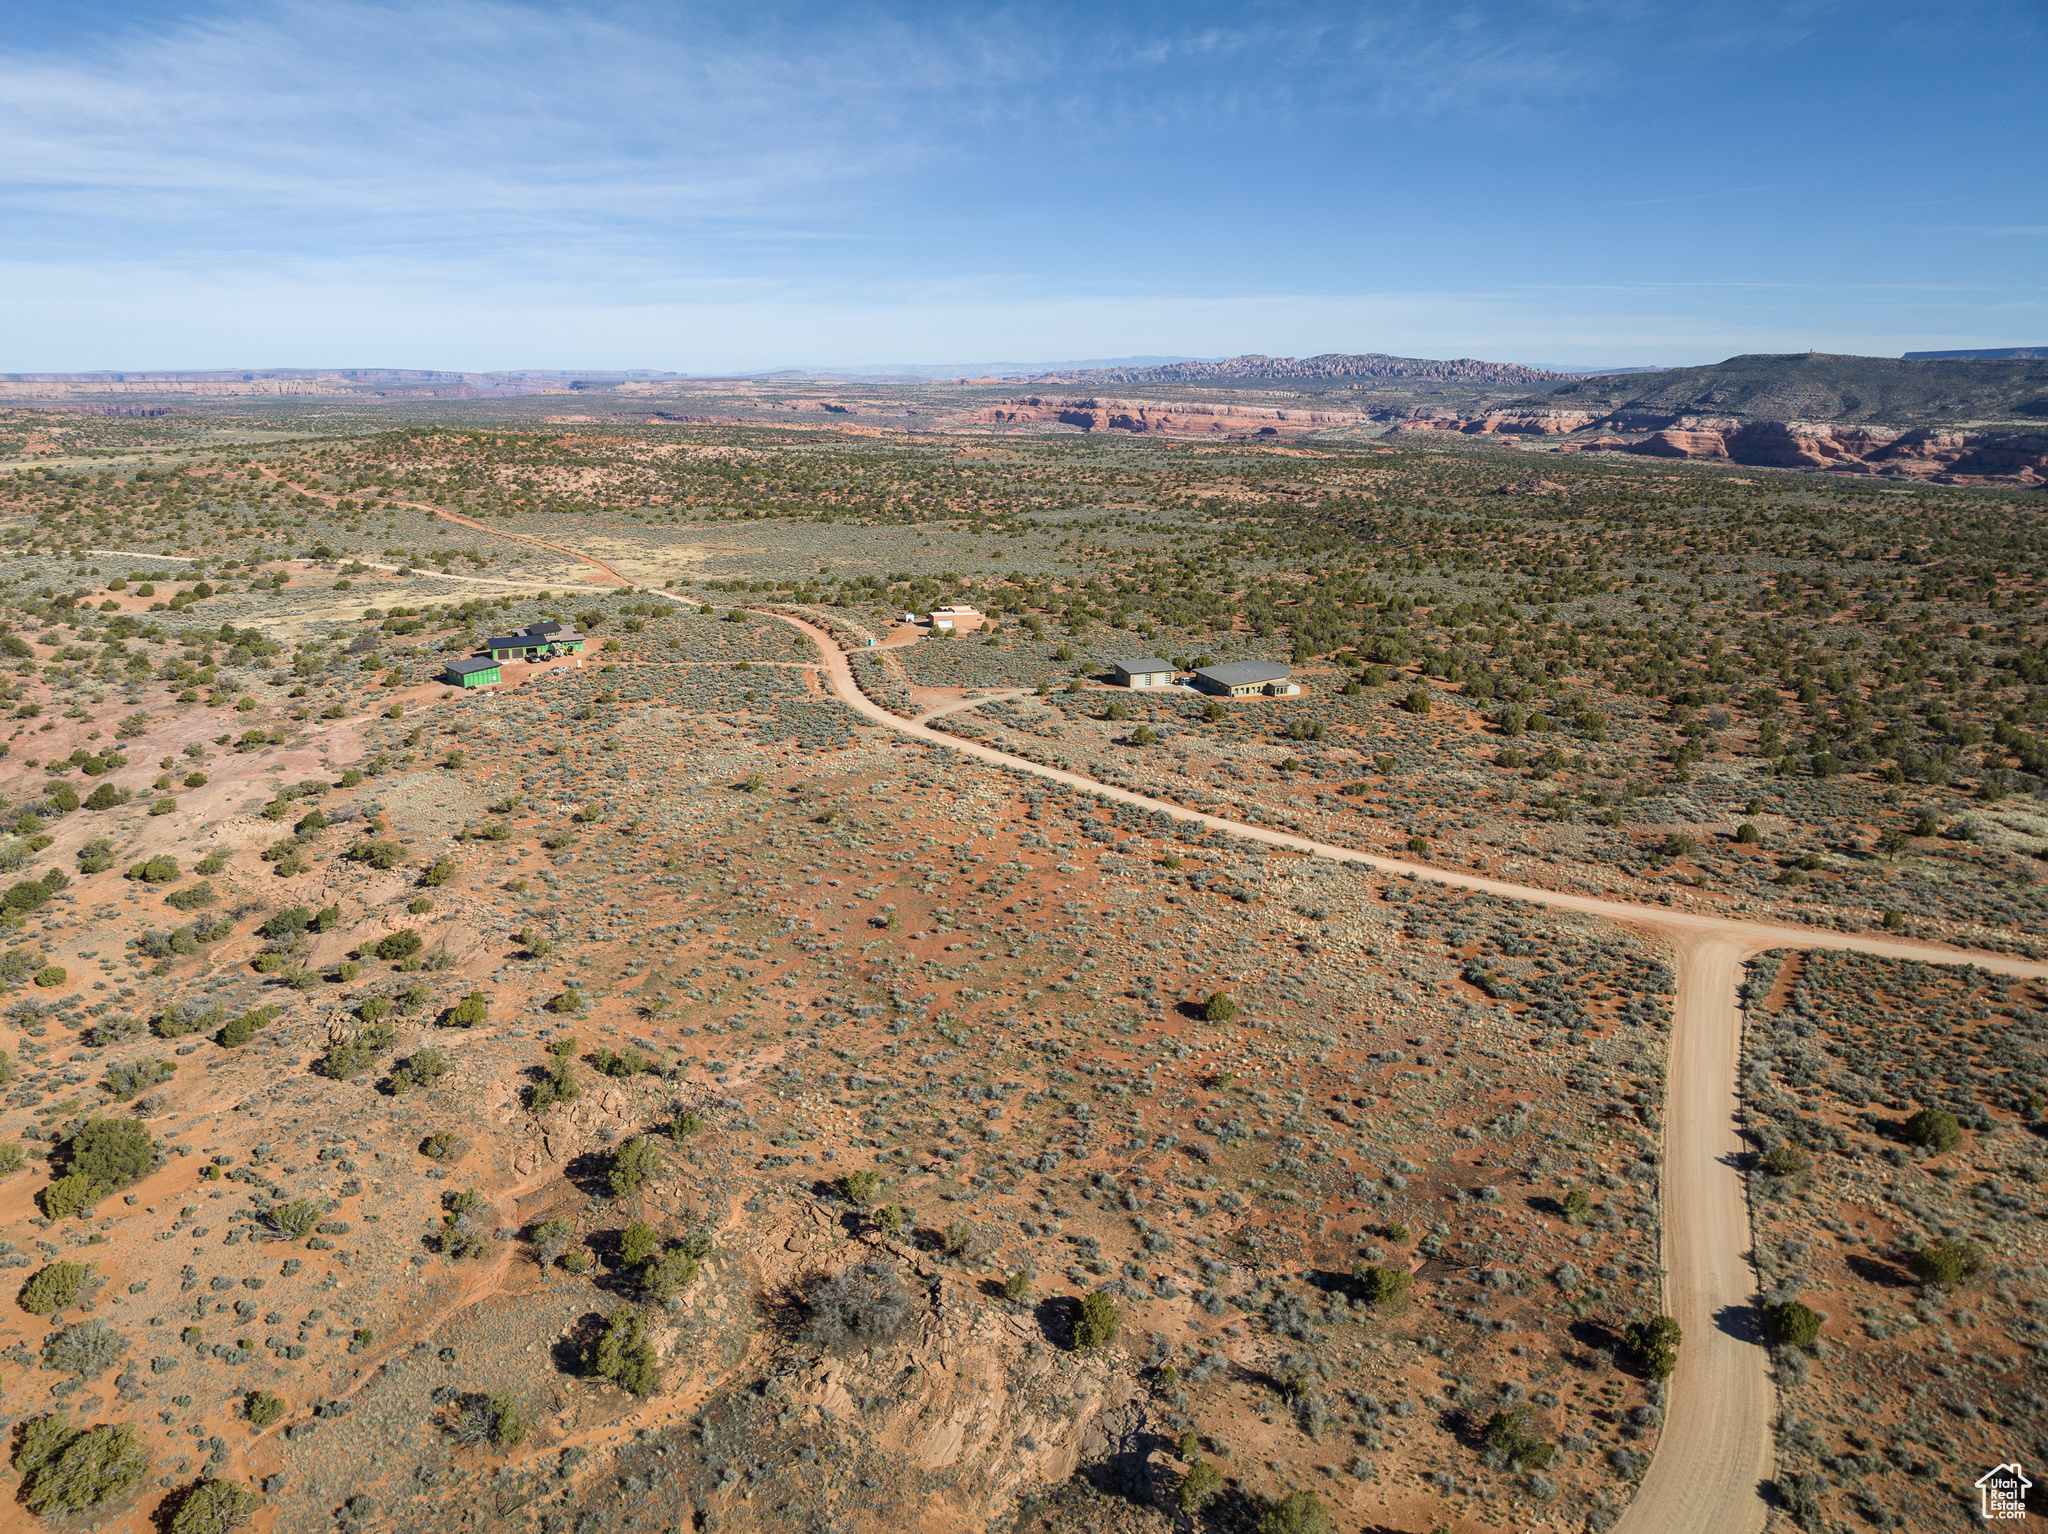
[(471, 673), (537, 641)]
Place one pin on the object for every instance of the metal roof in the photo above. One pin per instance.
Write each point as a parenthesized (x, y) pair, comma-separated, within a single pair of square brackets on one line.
[(1243, 673), (469, 667), (1143, 663)]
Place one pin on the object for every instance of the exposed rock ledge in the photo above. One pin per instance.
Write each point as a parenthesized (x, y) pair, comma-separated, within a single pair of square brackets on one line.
[(1159, 416), (1939, 455)]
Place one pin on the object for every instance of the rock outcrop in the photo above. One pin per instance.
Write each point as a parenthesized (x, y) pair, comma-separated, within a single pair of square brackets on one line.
[(1940, 456), (1158, 417), (1524, 423)]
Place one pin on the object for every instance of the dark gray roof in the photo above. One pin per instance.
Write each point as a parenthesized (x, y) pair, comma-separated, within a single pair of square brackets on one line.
[(535, 633), (1242, 673), (1144, 663), (467, 667)]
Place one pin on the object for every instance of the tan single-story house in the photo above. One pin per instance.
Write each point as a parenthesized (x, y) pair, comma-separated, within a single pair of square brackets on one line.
[(1247, 679), (1150, 671), (961, 620)]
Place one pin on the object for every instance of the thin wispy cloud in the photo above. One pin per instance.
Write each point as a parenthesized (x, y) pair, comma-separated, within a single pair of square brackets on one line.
[(732, 171)]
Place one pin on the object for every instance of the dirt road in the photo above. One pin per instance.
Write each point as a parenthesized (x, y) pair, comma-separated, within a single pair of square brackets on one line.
[(1715, 1452)]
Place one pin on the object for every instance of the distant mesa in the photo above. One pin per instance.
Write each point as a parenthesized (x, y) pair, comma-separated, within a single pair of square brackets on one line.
[(1163, 418), (1815, 386), (1996, 353), (1370, 366), (1944, 421)]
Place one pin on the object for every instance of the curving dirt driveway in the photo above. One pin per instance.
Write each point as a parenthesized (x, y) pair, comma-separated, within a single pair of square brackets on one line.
[(1715, 1451)]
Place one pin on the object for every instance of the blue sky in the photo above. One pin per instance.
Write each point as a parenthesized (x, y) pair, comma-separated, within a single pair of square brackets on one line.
[(700, 188)]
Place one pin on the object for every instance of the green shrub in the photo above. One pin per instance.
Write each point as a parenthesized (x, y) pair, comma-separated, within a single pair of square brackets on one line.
[(669, 1274), (1791, 1324), (469, 1011), (161, 869), (550, 1239), (1787, 1160), (1578, 1204), (1655, 1345), (466, 1224), (1017, 1287), (638, 1242), (181, 1018), (402, 944), (494, 1419), (12, 1157), (632, 1164), (127, 1080), (423, 1069), (444, 1145), (1219, 1008), (378, 853), (102, 1157), (559, 1085), (262, 1408), (1948, 1262), (629, 1063), (624, 1355), (289, 922), (85, 1351), (293, 1221), (685, 1124), (437, 873), (1198, 1488), (214, 1507), (64, 1470), (1382, 1286), (25, 896), (198, 895), (1934, 1128), (238, 1031), (1099, 1322), (862, 1187), (50, 976), (71, 1194), (1299, 1512), (350, 1057), (1512, 1435), (58, 1287)]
